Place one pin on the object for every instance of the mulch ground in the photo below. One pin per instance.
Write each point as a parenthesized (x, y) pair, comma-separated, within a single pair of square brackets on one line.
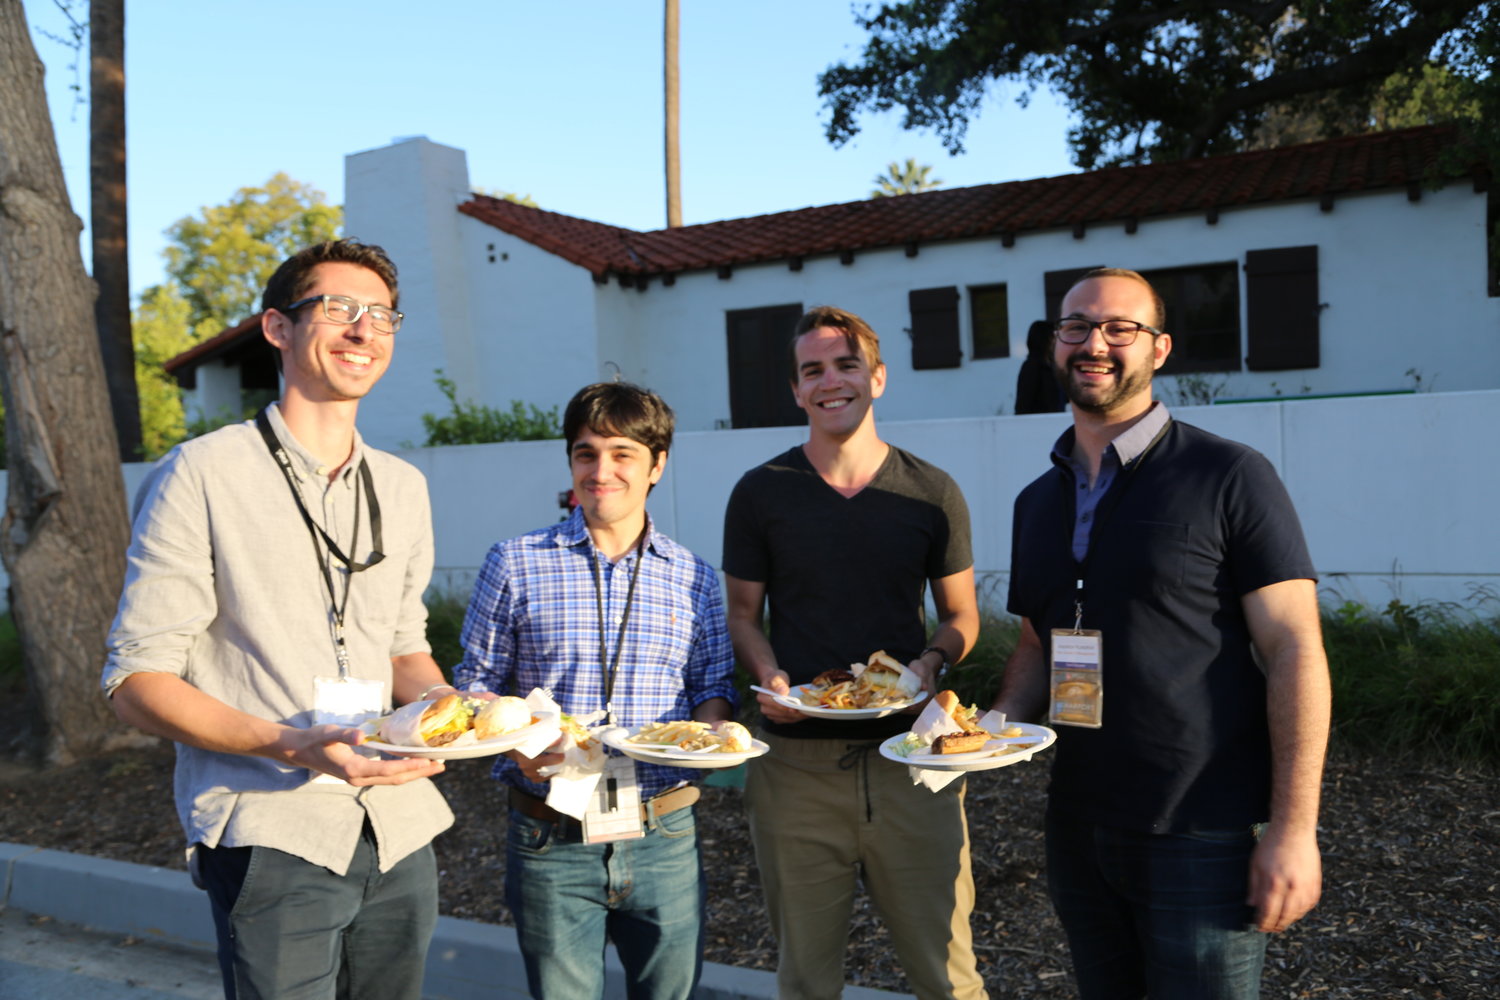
[(1411, 902)]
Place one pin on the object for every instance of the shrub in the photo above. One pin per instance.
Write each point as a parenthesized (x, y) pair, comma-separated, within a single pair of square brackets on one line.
[(474, 423)]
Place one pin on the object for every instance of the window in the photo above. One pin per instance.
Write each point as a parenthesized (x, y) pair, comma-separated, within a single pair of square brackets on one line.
[(934, 328), (1282, 310), (760, 388), (1203, 316), (989, 314)]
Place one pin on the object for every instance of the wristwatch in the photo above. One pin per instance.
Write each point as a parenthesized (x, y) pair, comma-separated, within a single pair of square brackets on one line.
[(943, 666)]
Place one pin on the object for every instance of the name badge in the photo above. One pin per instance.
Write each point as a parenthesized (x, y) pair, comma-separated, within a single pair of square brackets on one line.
[(615, 811), (1077, 678), (345, 701)]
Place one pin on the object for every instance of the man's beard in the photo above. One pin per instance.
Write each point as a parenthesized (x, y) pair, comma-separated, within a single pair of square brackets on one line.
[(1103, 401)]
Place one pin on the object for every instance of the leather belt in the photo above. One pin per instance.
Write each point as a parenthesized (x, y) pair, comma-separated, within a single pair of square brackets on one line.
[(656, 807)]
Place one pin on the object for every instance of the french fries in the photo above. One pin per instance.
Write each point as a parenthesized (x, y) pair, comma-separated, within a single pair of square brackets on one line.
[(689, 735)]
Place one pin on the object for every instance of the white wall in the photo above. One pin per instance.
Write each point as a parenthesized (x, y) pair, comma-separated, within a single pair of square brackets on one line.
[(1391, 496), (1375, 481), (405, 198)]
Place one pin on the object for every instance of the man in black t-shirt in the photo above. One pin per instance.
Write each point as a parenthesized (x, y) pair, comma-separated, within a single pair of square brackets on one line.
[(843, 535), (1168, 602)]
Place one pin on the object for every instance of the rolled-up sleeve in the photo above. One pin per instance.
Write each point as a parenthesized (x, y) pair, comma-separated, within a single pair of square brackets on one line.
[(168, 599), (709, 672)]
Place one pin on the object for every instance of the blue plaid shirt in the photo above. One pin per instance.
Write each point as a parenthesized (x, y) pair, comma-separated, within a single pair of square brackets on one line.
[(534, 622)]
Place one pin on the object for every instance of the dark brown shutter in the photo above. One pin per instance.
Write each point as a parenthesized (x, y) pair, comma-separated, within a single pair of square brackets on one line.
[(1281, 308), (760, 384), (934, 328)]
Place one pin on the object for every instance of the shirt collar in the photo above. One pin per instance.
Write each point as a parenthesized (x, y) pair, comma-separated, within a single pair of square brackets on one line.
[(304, 463), (1126, 448), (574, 531)]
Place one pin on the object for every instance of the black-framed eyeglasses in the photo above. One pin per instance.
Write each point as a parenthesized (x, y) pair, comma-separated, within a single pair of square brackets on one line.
[(346, 311), (1117, 332)]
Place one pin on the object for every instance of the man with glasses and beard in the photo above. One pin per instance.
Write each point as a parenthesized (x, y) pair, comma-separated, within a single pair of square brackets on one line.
[(1170, 629), (272, 602)]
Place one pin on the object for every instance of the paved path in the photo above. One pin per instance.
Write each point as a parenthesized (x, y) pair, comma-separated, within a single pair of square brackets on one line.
[(41, 957)]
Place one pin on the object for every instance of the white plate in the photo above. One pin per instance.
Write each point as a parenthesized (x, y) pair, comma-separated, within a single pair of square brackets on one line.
[(619, 739), (1010, 750), (483, 748), (790, 700)]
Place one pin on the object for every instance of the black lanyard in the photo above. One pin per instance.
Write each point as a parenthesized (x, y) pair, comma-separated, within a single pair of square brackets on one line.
[(284, 462), (1102, 512), (611, 667)]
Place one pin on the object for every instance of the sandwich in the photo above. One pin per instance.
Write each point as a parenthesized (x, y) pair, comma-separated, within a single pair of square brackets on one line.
[(445, 720), (954, 709)]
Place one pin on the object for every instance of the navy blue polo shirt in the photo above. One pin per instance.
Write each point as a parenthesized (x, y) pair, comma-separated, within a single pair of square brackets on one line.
[(1186, 529)]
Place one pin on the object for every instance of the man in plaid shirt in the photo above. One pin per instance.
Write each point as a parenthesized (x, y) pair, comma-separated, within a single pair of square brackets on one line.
[(608, 614)]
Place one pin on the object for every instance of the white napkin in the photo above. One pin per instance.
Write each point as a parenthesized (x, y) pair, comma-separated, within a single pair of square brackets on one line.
[(573, 781), (934, 722)]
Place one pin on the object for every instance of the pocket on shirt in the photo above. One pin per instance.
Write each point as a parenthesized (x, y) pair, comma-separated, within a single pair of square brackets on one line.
[(667, 631), (1150, 556)]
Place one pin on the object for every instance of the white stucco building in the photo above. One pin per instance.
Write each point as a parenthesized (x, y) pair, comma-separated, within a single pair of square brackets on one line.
[(1327, 269)]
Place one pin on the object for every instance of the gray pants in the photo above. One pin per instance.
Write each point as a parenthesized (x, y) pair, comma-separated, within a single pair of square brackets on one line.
[(291, 930)]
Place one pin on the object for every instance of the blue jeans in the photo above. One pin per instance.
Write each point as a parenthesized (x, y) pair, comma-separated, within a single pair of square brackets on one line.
[(296, 931), (568, 898), (1155, 915)]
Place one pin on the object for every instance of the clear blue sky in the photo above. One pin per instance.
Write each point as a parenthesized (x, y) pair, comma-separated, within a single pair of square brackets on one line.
[(561, 101)]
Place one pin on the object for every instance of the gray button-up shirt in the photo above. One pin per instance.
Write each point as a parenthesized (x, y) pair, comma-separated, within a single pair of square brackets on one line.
[(223, 589)]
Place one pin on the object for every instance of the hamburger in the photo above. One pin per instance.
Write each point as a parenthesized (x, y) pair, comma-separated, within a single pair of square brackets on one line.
[(830, 678), (445, 720), (882, 671)]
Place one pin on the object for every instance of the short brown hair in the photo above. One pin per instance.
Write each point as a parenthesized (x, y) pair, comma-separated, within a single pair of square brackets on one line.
[(1120, 272), (620, 409), (294, 277), (858, 335)]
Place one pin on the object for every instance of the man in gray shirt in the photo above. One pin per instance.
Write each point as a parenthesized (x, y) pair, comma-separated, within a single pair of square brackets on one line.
[(273, 599)]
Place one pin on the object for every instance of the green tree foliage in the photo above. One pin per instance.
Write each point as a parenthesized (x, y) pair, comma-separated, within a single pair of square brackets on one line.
[(222, 258), (907, 178), (1160, 80), (475, 423), (162, 329), (217, 264)]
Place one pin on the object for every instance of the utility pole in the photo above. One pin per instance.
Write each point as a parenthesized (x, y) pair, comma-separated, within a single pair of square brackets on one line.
[(674, 164)]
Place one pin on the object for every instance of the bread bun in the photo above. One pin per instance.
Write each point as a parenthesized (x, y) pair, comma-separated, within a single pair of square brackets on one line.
[(736, 737), (502, 715), (948, 702)]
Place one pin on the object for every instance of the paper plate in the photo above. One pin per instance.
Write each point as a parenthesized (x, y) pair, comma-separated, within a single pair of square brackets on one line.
[(618, 738), (1006, 750), (462, 751)]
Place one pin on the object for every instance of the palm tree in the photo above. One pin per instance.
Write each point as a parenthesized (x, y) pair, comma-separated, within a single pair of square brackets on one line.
[(908, 179)]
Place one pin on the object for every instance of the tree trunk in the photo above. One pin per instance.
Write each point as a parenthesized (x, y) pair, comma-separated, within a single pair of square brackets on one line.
[(674, 166), (107, 218), (64, 532)]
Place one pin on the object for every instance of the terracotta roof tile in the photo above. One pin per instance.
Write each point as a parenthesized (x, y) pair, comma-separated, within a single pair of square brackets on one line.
[(218, 344), (1315, 170)]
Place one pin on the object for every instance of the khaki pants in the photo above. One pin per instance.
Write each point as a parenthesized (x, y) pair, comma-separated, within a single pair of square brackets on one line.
[(821, 816)]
